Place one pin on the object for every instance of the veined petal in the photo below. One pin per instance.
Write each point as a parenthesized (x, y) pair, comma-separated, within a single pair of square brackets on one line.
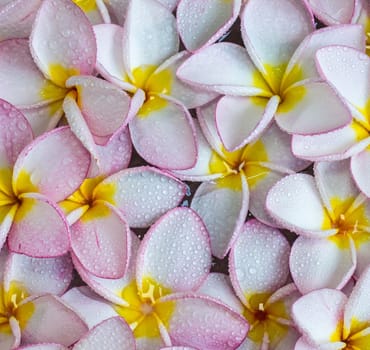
[(225, 68), (149, 36), (360, 165), (39, 228), (317, 263), (64, 165), (62, 41), (270, 248), (223, 206), (128, 190), (163, 134), (333, 11), (217, 17), (100, 239), (103, 105), (323, 323), (198, 321), (159, 261), (59, 323)]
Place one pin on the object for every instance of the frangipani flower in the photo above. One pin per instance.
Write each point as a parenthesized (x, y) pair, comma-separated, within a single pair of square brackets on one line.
[(156, 296), (234, 182), (29, 315), (102, 209), (334, 226), (142, 58), (328, 319), (279, 79), (32, 180)]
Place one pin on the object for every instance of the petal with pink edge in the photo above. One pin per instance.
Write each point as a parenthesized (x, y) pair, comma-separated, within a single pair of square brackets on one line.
[(240, 120), (103, 105), (149, 37), (15, 134), (322, 323), (198, 321), (333, 11), (55, 165), (59, 323), (22, 84), (175, 252), (300, 111), (350, 76), (100, 240), (268, 34), (143, 194), (39, 228), (225, 68), (258, 242), (360, 165), (40, 275), (62, 41), (223, 206), (114, 334), (317, 263), (217, 17), (163, 134)]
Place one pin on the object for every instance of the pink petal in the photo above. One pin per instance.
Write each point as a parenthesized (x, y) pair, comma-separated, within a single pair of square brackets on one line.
[(147, 19), (217, 17), (39, 228), (265, 245), (40, 275), (272, 31), (223, 209), (319, 263), (143, 194), (159, 253), (62, 41), (103, 105), (333, 11), (300, 111), (59, 323), (325, 314), (225, 68), (43, 347), (360, 165), (241, 120), (64, 165), (100, 240), (113, 333), (200, 322), (165, 137)]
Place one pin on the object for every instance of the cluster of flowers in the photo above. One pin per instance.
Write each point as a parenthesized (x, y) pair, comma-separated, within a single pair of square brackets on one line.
[(84, 82)]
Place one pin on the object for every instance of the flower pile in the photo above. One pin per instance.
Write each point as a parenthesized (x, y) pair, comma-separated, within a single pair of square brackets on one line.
[(184, 174)]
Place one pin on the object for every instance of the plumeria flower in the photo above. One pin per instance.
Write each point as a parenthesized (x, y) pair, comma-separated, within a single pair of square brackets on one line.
[(157, 295), (217, 17), (350, 77), (33, 178), (28, 314), (277, 79), (234, 182), (334, 226), (328, 319), (142, 58)]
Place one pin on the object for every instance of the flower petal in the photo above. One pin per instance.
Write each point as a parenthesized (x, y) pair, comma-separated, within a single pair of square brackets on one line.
[(217, 17), (333, 12), (49, 346), (303, 345), (322, 324), (128, 190), (165, 257), (258, 242), (317, 263), (360, 165), (198, 321), (59, 323), (64, 165), (62, 41), (164, 135), (149, 36), (223, 206), (100, 241), (113, 333)]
